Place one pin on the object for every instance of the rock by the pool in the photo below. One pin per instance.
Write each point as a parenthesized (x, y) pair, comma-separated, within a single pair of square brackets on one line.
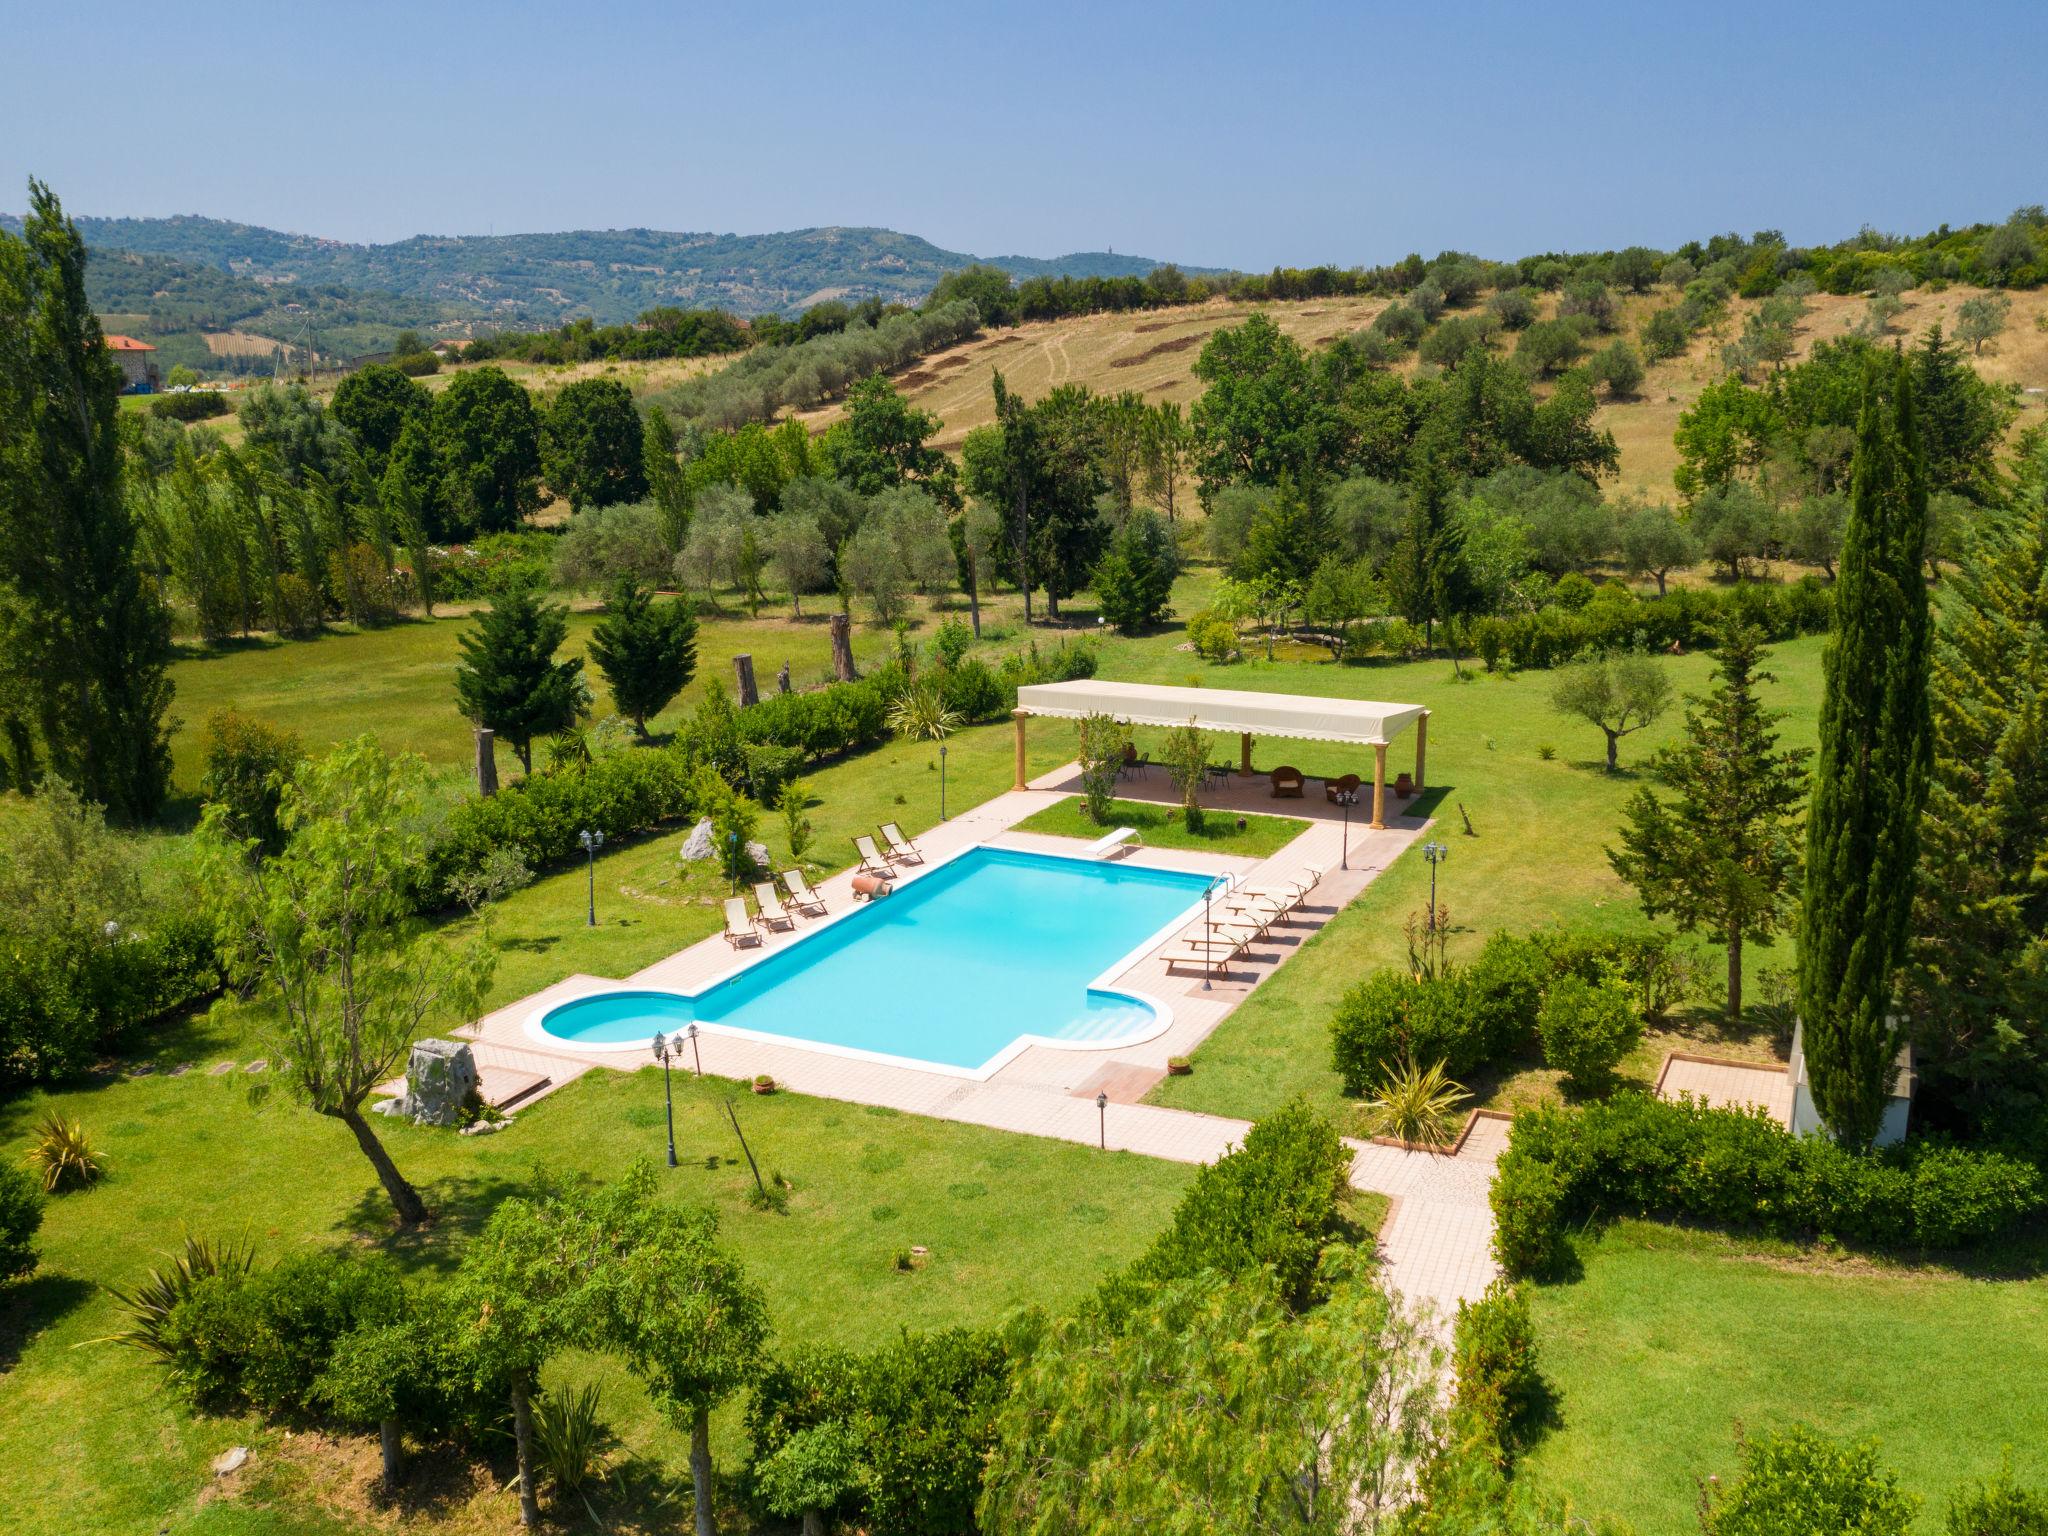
[(440, 1082)]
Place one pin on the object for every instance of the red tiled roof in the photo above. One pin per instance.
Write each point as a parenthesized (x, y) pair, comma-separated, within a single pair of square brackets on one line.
[(128, 344)]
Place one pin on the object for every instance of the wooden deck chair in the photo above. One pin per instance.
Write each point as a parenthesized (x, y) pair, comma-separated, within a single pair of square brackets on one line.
[(773, 913), (871, 860), (900, 847), (740, 929), (801, 896)]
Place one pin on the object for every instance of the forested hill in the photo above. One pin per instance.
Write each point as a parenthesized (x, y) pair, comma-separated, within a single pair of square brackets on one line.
[(611, 275)]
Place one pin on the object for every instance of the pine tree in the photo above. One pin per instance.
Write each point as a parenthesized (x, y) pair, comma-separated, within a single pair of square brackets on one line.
[(1290, 537), (84, 668), (1427, 575), (1876, 748), (508, 679), (647, 651), (1721, 857), (1978, 976), (666, 487)]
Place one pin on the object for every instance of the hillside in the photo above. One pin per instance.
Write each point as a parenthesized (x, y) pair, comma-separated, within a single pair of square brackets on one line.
[(1153, 352), (611, 275)]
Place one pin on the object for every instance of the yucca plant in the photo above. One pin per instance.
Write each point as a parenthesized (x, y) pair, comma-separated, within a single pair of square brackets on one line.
[(569, 1441), (63, 1155), (148, 1306), (1416, 1106)]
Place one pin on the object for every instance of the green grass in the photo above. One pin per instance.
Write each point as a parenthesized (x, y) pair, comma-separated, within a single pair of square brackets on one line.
[(1672, 1338), (1159, 826), (1534, 854), (398, 682), (90, 1442)]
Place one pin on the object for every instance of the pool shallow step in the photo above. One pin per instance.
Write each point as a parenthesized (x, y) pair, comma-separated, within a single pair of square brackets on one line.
[(1105, 1023)]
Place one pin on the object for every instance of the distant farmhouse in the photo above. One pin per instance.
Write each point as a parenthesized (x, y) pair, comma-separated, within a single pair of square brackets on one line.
[(138, 364)]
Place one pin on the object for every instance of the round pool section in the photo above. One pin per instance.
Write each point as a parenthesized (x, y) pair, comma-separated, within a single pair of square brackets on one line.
[(959, 970)]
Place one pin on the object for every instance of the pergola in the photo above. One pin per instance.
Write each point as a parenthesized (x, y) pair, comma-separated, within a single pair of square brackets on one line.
[(1296, 716)]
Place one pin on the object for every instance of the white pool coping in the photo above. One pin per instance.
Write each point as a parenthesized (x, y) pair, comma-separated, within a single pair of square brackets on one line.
[(535, 1026)]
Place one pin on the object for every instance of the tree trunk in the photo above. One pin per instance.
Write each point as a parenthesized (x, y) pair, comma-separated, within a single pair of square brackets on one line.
[(1735, 979), (842, 648), (974, 599), (640, 725), (700, 1469), (1613, 755), (1660, 583), (404, 1198), (522, 1436), (387, 1434), (743, 681), (814, 1522), (524, 749), (486, 761)]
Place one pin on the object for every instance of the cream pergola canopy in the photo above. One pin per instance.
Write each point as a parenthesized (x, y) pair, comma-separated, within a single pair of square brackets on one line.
[(1292, 715)]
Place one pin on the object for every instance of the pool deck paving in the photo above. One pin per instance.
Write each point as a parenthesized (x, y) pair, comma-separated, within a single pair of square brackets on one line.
[(1436, 1239)]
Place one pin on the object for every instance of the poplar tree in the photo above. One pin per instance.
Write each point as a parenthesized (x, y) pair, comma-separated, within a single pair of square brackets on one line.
[(1721, 857), (85, 648), (1876, 749)]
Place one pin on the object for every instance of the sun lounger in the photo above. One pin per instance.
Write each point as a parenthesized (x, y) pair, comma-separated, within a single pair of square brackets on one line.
[(740, 929), (1260, 911), (1121, 840), (801, 896), (1212, 958), (871, 860), (773, 913), (1298, 884), (900, 847)]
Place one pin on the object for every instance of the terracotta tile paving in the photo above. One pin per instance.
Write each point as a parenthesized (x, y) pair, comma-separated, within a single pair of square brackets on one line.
[(1729, 1084), (1436, 1242)]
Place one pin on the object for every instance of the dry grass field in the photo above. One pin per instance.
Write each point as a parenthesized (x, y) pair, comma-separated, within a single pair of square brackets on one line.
[(1154, 353)]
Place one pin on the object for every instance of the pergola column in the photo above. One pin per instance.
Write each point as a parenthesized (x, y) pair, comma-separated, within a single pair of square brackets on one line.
[(1379, 786), (1244, 753), (1020, 716), (1421, 747)]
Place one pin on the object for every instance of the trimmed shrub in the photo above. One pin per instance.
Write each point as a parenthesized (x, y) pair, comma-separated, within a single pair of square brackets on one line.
[(973, 692), (1274, 1201), (1587, 1027), (247, 762), (1493, 1358), (919, 1415), (21, 1215), (1634, 1154), (190, 405), (1391, 1018), (1800, 1480), (1503, 989)]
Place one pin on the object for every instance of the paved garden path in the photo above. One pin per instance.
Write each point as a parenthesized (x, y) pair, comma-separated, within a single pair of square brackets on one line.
[(1437, 1236)]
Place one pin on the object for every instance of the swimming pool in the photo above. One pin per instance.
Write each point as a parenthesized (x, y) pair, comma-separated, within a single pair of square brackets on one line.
[(960, 969)]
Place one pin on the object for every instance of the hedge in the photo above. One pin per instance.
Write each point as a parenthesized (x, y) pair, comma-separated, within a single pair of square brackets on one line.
[(1276, 1201), (1493, 1366), (1634, 1154), (1616, 619), (21, 1215), (921, 1412), (190, 405), (1472, 1014), (620, 795), (61, 1010)]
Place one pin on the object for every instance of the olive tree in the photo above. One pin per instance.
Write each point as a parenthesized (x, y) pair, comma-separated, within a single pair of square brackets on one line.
[(1620, 694), (326, 928)]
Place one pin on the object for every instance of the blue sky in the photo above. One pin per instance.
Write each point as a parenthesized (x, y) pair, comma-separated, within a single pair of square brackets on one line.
[(1232, 136)]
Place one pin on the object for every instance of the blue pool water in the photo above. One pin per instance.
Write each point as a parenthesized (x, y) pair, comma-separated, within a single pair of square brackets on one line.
[(950, 969)]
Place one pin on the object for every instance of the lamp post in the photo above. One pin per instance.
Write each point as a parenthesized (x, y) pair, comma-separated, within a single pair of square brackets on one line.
[(1102, 1120), (732, 862), (696, 1050), (942, 781), (591, 841), (1208, 931), (1347, 798), (662, 1052), (1436, 853)]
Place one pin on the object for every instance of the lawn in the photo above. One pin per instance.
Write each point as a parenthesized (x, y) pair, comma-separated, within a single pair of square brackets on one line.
[(1527, 837), (1671, 1338), (89, 1442), (1250, 837)]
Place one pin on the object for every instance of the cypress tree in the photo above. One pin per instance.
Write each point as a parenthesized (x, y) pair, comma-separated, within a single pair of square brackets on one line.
[(508, 678), (1876, 748), (87, 645)]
